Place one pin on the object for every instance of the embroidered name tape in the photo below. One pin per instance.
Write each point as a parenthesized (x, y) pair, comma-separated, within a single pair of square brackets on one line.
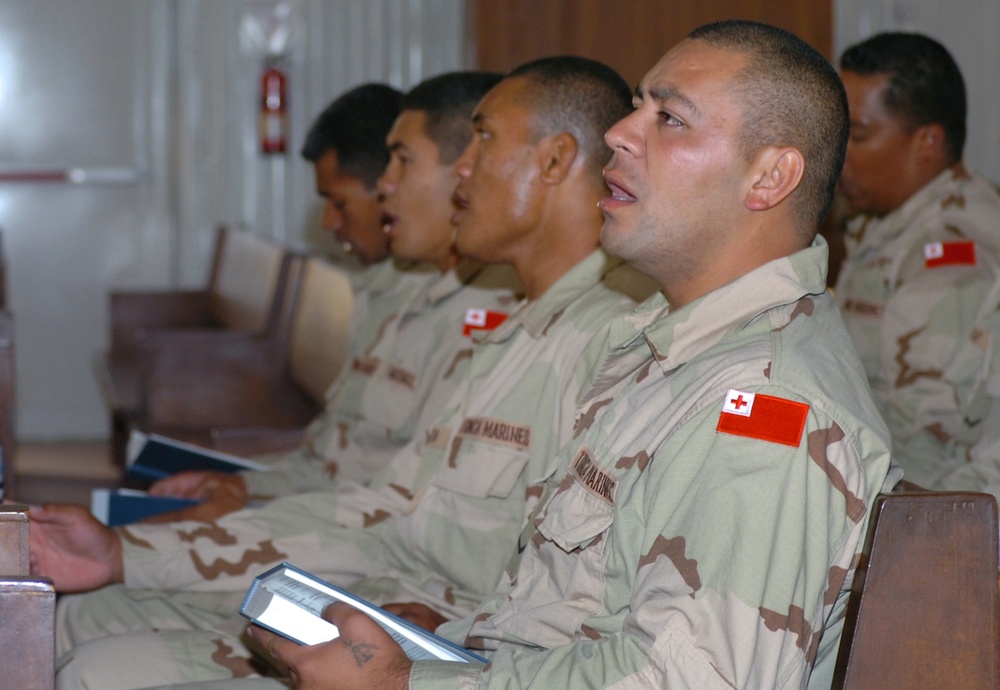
[(482, 320), (597, 480), (949, 254), (763, 417), (496, 430), (365, 366)]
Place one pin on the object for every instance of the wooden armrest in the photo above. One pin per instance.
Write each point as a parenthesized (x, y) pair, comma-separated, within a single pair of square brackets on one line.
[(27, 633), (13, 540), (193, 381), (135, 314), (250, 442)]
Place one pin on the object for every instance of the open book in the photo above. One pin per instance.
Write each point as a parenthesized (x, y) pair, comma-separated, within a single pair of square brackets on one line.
[(152, 457), (290, 601), (125, 506)]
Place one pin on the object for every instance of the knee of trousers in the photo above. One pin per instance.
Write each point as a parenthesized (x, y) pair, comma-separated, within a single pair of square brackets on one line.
[(144, 660)]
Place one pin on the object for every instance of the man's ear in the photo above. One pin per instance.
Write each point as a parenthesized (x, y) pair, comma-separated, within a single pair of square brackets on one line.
[(777, 173), (929, 140), (557, 154)]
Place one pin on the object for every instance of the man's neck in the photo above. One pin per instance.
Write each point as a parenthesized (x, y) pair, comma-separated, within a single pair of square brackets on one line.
[(541, 269)]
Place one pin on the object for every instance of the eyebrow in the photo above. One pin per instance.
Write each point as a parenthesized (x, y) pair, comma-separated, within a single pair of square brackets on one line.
[(667, 93)]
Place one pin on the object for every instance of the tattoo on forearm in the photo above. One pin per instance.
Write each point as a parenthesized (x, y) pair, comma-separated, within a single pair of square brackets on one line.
[(362, 651)]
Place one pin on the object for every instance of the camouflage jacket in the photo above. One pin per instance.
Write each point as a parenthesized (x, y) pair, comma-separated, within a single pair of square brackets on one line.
[(466, 486), (703, 527), (409, 349), (917, 292)]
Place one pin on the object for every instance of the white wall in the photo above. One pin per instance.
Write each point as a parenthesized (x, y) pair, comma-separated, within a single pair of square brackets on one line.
[(156, 101), (970, 29)]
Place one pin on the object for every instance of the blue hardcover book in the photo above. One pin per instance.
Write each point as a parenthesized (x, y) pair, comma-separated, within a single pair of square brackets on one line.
[(290, 602), (152, 457), (125, 506)]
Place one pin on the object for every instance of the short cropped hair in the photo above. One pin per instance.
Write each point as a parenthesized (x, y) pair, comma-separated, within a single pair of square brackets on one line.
[(576, 95), (925, 84), (448, 101), (791, 96), (354, 126)]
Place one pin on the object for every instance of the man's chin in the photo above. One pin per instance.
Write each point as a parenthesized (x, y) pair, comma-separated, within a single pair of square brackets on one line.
[(611, 237)]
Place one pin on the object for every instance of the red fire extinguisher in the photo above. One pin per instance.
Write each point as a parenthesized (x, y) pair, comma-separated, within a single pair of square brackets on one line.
[(273, 115)]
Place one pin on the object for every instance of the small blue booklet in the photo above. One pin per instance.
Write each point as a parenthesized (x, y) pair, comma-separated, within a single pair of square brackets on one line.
[(290, 602), (152, 457), (125, 506)]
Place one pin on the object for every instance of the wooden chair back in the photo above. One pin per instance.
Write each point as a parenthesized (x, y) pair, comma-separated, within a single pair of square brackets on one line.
[(318, 338), (245, 280), (924, 614)]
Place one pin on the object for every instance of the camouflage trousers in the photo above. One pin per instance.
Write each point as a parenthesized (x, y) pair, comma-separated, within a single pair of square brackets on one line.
[(117, 638)]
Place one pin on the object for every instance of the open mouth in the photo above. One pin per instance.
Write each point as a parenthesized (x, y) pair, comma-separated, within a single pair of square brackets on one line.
[(388, 222), (619, 194), (460, 203)]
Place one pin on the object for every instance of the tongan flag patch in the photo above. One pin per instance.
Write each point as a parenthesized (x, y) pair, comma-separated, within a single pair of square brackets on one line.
[(949, 254), (482, 320), (763, 417)]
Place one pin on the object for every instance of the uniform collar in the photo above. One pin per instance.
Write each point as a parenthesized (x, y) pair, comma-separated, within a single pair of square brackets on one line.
[(674, 337), (865, 230), (535, 316)]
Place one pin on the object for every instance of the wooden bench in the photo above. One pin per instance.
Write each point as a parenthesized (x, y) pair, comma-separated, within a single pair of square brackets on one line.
[(27, 611), (924, 614), (247, 396), (242, 301)]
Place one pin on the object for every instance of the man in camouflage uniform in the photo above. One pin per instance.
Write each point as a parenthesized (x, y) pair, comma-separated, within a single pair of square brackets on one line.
[(471, 482), (923, 257), (418, 343), (703, 526)]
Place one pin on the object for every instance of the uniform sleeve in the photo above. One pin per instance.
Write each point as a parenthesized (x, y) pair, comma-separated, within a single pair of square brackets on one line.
[(290, 473), (980, 471), (319, 532), (723, 562), (934, 363)]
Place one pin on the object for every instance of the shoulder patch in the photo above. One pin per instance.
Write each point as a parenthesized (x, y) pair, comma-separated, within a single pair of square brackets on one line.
[(763, 417), (482, 320), (949, 254)]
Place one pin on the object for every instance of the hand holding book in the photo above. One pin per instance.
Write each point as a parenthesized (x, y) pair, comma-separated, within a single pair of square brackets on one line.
[(363, 656), (291, 602)]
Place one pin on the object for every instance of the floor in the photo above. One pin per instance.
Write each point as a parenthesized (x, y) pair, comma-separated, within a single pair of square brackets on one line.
[(62, 472)]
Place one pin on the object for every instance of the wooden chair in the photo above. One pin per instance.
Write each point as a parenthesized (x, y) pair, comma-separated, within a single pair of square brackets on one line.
[(251, 397), (924, 614), (242, 301), (27, 611), (3, 274), (7, 444)]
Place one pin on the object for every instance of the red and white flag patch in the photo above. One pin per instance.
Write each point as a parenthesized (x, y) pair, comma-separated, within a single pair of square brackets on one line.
[(482, 320), (949, 254), (763, 417)]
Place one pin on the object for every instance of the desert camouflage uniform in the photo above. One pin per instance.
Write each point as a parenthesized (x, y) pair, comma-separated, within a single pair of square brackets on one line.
[(671, 554), (982, 471), (414, 353), (469, 490), (921, 320)]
